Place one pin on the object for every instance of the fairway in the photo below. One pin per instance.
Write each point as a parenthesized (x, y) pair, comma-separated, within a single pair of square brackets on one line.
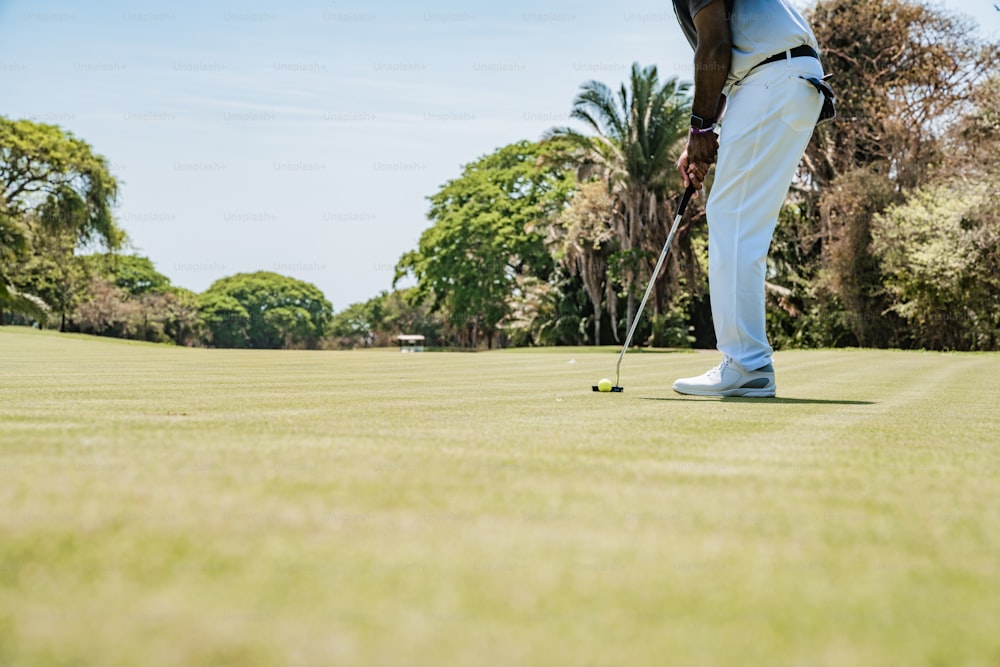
[(170, 506)]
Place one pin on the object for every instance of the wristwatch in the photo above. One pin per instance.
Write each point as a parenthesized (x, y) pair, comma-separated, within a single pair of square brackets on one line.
[(699, 123)]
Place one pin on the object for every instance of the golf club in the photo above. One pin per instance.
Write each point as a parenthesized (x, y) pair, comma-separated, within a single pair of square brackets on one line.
[(616, 387)]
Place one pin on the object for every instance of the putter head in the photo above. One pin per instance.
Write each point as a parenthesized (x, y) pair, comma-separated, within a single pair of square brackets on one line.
[(614, 390)]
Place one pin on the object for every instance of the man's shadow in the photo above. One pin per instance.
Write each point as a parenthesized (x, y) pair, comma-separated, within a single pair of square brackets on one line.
[(744, 399)]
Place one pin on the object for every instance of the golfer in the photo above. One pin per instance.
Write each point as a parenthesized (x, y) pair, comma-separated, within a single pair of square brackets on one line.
[(749, 60)]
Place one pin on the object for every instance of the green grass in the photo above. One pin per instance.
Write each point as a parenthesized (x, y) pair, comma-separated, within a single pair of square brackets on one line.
[(167, 506)]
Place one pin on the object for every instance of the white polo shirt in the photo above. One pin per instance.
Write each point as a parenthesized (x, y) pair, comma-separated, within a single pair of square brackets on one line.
[(760, 29)]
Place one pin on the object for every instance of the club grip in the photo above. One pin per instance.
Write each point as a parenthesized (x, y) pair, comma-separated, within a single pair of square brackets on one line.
[(685, 198)]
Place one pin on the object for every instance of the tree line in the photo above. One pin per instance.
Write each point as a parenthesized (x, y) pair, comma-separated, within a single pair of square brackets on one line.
[(889, 237), (124, 296), (57, 200), (62, 266)]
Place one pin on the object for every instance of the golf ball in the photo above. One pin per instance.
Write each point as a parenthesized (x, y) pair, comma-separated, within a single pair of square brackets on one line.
[(604, 385)]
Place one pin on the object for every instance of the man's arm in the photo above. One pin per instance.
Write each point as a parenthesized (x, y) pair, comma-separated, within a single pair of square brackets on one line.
[(712, 59)]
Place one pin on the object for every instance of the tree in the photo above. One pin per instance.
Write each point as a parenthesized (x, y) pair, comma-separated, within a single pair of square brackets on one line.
[(972, 144), (485, 234), (51, 184), (552, 312), (354, 326), (181, 316), (904, 71), (393, 313), (124, 296), (225, 318), (265, 310), (135, 274), (106, 310), (637, 138), (583, 240), (940, 253), (52, 272), (377, 322)]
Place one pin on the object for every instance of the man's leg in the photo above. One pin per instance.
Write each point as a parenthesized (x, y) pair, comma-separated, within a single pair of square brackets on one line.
[(768, 122), (767, 127)]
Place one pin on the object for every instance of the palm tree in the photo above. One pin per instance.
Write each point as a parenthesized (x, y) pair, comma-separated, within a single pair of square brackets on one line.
[(583, 240), (633, 151)]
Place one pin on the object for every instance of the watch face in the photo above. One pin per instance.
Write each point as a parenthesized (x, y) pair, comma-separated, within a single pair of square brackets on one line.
[(698, 122)]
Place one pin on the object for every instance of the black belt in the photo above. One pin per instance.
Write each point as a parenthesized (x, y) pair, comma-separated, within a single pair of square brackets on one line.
[(798, 52)]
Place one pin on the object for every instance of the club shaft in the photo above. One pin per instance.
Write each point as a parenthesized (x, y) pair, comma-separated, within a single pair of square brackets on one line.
[(652, 280)]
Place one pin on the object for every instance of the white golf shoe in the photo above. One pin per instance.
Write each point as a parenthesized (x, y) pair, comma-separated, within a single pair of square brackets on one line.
[(730, 379)]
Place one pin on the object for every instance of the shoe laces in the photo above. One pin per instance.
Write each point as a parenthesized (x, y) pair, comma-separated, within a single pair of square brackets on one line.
[(717, 371)]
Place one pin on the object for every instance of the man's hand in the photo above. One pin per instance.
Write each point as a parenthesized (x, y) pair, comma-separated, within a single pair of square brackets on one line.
[(702, 148), (696, 159)]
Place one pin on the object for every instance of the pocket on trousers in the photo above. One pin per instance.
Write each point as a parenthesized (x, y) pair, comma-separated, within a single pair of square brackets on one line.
[(801, 106)]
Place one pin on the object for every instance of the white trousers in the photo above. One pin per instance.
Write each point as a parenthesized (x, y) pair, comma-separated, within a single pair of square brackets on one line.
[(769, 119)]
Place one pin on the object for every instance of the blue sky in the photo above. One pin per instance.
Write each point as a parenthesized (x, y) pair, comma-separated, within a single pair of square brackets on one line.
[(304, 137)]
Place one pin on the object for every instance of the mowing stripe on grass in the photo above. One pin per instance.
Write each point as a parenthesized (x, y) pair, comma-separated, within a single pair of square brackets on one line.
[(165, 506)]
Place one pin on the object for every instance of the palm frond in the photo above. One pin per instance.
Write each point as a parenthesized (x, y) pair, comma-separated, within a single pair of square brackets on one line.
[(638, 130), (595, 106)]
